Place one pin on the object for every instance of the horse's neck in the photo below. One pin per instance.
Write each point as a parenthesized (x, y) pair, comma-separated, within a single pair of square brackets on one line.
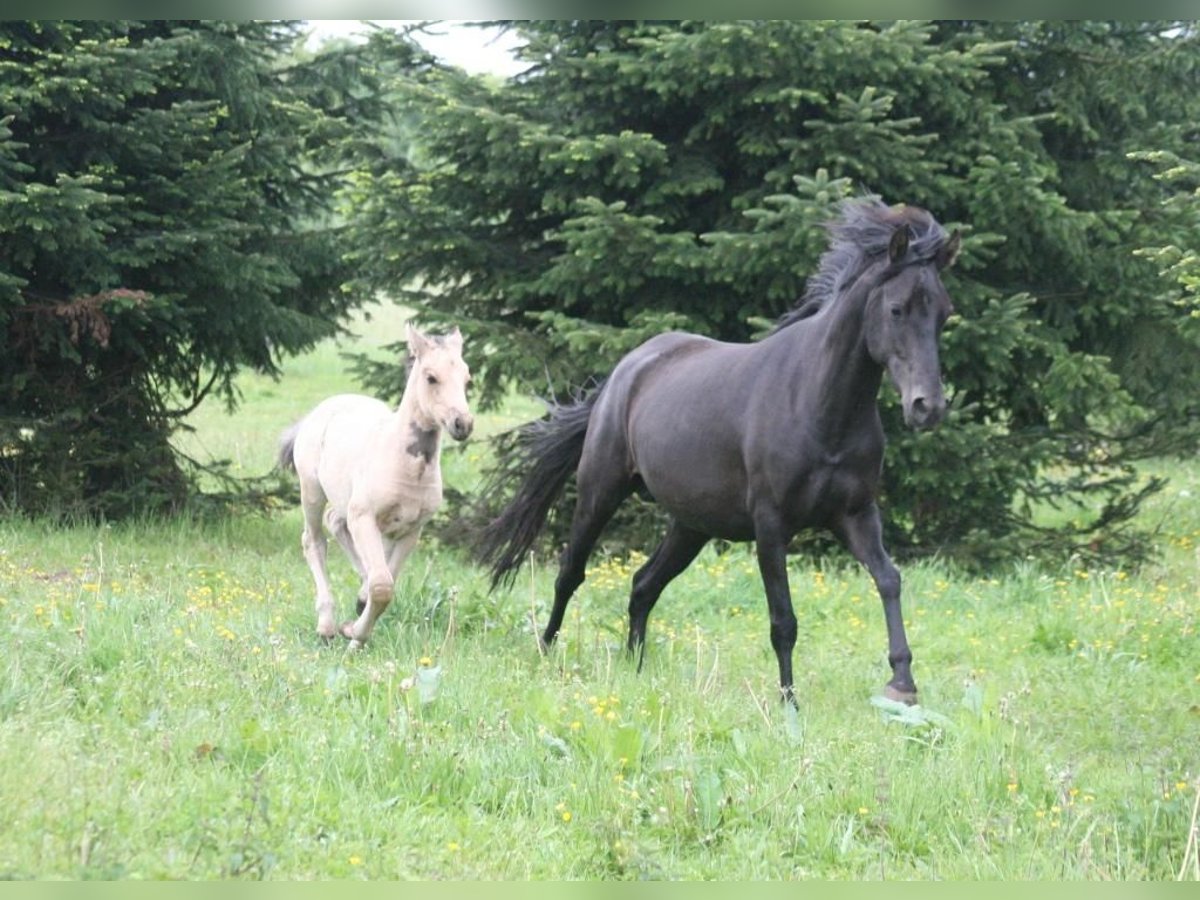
[(837, 364), (416, 429)]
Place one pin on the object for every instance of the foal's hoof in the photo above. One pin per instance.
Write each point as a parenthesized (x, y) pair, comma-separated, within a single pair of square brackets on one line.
[(908, 698), (347, 631)]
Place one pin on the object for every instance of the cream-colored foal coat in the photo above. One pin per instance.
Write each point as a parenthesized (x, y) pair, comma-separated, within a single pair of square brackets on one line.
[(373, 474)]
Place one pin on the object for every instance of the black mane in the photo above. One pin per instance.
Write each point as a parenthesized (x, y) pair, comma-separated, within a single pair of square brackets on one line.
[(858, 236)]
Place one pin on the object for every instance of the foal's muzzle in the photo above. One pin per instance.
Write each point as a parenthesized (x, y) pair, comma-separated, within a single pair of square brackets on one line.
[(460, 426)]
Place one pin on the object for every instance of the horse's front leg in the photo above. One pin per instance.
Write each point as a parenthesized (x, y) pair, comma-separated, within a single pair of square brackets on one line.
[(399, 551), (771, 546), (342, 533), (862, 534), (380, 584)]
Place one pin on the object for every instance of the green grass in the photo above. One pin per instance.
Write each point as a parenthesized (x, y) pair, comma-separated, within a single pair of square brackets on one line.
[(166, 710)]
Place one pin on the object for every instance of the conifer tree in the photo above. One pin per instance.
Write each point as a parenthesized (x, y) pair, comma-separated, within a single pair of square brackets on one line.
[(164, 223), (644, 176)]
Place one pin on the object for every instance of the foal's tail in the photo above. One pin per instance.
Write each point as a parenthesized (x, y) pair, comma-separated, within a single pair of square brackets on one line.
[(543, 454), (287, 448)]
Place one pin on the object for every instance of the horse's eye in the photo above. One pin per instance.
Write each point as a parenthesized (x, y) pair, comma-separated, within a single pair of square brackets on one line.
[(431, 379), (897, 312)]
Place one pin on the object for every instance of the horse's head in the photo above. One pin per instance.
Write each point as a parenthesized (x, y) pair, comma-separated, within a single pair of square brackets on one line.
[(440, 377), (904, 316)]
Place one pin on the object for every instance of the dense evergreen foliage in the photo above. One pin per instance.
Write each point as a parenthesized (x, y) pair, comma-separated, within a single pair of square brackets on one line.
[(167, 196), (643, 176), (163, 223)]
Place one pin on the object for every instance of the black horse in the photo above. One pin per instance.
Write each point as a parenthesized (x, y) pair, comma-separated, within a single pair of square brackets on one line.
[(752, 441)]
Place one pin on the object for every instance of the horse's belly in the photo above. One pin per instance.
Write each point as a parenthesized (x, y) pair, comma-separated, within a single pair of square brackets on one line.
[(711, 503), (716, 523)]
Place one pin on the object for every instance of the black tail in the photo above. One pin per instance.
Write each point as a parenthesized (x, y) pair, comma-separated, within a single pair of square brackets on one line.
[(544, 455)]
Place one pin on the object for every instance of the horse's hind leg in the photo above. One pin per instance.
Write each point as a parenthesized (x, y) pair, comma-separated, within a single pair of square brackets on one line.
[(598, 500), (676, 552), (312, 501)]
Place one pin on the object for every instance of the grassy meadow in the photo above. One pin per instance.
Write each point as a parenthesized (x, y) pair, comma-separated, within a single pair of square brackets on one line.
[(167, 711)]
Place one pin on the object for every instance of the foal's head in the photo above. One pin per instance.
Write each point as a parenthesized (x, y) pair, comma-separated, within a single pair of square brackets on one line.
[(904, 316), (440, 378)]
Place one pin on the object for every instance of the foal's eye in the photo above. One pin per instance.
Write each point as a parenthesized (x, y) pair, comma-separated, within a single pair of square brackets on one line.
[(431, 379), (897, 312)]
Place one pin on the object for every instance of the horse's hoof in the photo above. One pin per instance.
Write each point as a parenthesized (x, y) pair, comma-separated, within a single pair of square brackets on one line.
[(347, 629), (355, 644), (908, 698)]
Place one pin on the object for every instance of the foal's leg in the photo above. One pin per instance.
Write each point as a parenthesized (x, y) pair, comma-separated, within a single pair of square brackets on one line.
[(863, 535), (399, 552), (770, 542), (395, 554), (368, 542), (312, 501), (342, 533), (673, 555)]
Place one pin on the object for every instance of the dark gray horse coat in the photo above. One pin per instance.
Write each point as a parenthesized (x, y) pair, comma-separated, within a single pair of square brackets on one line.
[(753, 441)]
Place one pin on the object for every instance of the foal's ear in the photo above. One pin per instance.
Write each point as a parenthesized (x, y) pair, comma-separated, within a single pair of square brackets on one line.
[(949, 252), (417, 342), (455, 339), (898, 245)]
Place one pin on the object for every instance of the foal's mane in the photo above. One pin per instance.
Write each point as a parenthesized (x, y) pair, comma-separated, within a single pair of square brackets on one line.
[(858, 236)]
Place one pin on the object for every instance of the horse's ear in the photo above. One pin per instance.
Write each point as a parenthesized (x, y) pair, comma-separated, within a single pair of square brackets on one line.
[(417, 342), (949, 251), (898, 245), (455, 339)]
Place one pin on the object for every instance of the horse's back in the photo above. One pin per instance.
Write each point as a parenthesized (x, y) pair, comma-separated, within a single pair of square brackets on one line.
[(669, 415), (335, 428), (350, 405), (664, 359)]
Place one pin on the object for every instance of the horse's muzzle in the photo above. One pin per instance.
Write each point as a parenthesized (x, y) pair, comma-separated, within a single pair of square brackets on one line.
[(923, 413), (460, 427)]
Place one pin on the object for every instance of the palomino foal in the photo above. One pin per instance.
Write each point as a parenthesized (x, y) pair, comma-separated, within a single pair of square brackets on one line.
[(375, 475)]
